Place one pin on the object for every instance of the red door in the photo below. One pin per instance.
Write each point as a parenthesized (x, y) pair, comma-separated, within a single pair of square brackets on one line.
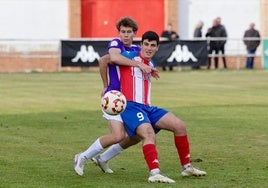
[(100, 16)]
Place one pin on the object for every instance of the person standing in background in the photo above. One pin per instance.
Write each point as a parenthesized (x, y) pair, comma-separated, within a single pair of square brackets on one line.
[(171, 35), (198, 30), (251, 44), (198, 34), (221, 33), (217, 45), (212, 44)]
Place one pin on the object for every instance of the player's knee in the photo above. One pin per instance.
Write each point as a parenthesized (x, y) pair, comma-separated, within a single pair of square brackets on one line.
[(118, 137), (180, 127), (148, 136)]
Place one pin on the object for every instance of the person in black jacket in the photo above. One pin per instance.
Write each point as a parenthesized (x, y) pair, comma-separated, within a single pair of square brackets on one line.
[(169, 33), (217, 45), (251, 44)]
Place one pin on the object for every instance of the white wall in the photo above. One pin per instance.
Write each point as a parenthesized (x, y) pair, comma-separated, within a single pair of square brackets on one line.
[(236, 16), (48, 19), (33, 19)]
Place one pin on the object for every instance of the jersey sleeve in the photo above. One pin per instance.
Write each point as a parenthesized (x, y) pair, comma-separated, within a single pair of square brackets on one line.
[(115, 43)]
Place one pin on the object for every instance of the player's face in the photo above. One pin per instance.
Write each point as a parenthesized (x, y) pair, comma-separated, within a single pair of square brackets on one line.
[(148, 48), (126, 35)]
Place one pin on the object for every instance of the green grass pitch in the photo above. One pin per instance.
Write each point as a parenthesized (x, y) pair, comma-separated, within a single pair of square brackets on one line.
[(46, 118)]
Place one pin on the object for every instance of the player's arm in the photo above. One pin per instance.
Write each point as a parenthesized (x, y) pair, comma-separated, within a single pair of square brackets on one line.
[(103, 68), (116, 57)]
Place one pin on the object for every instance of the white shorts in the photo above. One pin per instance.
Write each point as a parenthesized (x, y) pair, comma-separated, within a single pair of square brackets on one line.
[(111, 117)]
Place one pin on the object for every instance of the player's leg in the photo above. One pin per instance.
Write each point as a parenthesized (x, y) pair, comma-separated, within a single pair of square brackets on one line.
[(146, 132), (117, 133), (170, 122), (103, 159), (116, 149)]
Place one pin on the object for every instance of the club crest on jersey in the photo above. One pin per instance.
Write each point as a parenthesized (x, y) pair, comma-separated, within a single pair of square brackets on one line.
[(114, 43)]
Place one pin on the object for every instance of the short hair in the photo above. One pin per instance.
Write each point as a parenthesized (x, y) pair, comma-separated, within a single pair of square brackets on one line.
[(127, 22), (150, 35)]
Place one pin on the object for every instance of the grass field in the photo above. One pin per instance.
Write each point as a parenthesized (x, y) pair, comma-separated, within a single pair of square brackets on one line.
[(46, 118)]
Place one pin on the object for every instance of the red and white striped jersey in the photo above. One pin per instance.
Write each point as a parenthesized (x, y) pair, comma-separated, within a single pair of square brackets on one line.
[(136, 85)]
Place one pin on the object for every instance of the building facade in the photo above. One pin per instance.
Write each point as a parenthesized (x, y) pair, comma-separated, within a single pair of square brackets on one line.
[(31, 32)]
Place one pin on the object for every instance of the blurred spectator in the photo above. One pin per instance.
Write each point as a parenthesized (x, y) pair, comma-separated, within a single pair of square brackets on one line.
[(217, 45), (212, 43), (198, 30), (170, 34), (251, 44), (198, 34)]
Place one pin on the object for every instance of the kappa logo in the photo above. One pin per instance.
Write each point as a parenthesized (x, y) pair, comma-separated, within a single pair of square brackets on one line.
[(86, 54), (182, 54), (155, 161)]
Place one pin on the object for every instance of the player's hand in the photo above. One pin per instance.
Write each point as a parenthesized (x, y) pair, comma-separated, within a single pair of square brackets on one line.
[(146, 69), (155, 73)]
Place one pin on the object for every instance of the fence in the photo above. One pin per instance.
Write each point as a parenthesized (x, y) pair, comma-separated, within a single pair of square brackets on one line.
[(235, 52), (44, 55)]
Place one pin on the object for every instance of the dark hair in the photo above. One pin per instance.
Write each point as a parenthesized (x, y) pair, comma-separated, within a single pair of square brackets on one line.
[(150, 35), (127, 22)]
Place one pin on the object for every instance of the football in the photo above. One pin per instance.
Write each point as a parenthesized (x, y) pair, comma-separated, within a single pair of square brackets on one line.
[(113, 102)]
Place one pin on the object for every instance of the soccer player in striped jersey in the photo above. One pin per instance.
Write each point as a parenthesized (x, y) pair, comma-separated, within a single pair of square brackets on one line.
[(143, 120)]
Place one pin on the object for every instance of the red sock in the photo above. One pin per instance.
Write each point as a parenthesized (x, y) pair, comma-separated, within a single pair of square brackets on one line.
[(183, 148), (151, 156)]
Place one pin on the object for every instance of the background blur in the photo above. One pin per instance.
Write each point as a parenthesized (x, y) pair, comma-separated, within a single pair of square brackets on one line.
[(31, 21), (46, 19)]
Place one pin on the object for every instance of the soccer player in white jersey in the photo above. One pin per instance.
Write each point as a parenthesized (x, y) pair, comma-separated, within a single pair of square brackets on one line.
[(127, 28), (144, 121)]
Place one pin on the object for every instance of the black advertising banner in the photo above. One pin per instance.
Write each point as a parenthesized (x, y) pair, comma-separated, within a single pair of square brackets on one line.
[(82, 53), (183, 53)]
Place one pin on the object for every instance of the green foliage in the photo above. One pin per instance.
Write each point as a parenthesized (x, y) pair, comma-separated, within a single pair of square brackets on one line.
[(46, 118)]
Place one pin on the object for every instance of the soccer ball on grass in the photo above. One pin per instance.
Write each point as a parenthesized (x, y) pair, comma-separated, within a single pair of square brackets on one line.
[(113, 102)]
